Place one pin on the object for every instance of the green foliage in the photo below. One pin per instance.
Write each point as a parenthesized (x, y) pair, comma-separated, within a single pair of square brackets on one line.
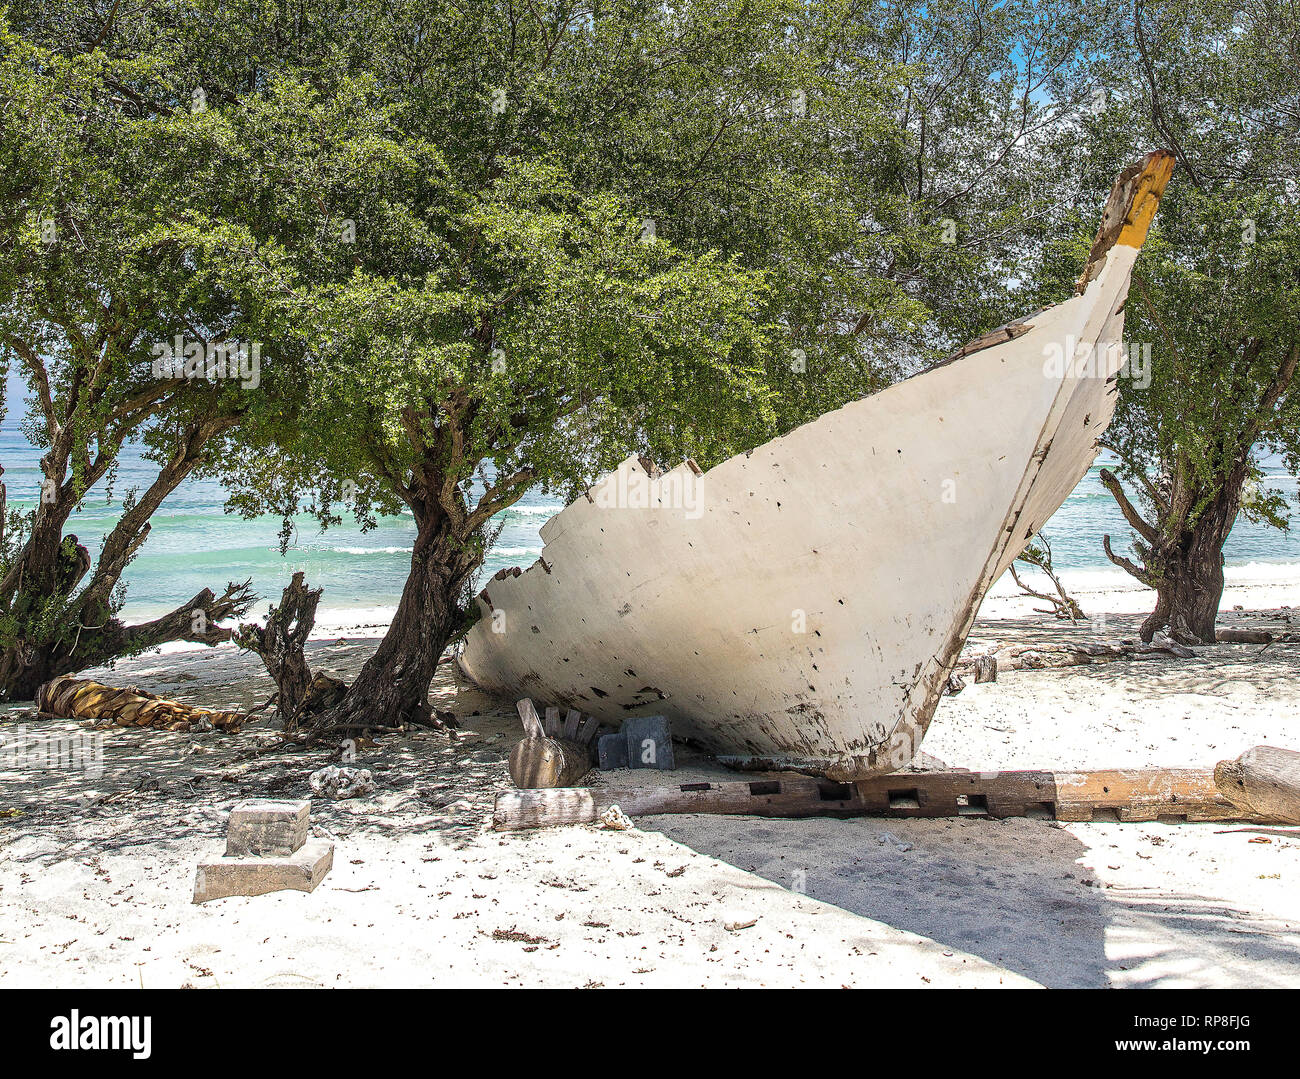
[(572, 242), (1223, 317), (112, 240), (1216, 293), (798, 163)]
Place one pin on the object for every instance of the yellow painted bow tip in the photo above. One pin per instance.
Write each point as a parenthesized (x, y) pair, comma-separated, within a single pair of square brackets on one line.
[(1150, 186)]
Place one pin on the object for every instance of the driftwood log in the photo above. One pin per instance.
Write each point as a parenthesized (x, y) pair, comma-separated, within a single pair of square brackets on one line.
[(1248, 636), (1264, 781), (1036, 657), (1140, 794), (554, 754), (82, 698), (1033, 657)]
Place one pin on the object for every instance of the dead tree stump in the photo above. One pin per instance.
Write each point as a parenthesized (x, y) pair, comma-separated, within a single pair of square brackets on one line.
[(280, 645)]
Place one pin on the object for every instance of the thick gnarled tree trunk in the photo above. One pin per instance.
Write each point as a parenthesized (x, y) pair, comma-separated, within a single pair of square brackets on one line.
[(392, 689), (1189, 588), (53, 629), (1183, 564)]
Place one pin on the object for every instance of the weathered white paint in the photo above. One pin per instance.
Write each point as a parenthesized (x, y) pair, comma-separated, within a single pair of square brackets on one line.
[(801, 605)]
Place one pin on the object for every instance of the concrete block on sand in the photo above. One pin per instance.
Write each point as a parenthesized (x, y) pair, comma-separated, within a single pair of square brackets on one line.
[(267, 828), (220, 876)]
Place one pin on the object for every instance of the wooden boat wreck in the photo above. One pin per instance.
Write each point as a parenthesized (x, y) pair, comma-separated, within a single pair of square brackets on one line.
[(800, 606)]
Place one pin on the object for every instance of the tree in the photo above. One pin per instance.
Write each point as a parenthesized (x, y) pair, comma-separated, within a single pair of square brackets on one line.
[(534, 242), (538, 241), (113, 245), (980, 183), (1216, 295), (1039, 555)]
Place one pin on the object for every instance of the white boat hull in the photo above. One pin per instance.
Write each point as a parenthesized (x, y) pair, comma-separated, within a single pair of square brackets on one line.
[(801, 606)]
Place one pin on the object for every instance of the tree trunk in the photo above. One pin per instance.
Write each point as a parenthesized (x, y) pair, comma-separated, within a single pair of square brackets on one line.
[(1189, 577), (24, 667), (1187, 602), (50, 631), (393, 686)]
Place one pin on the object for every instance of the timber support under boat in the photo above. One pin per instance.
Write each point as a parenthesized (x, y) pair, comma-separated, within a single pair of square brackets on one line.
[(1128, 794)]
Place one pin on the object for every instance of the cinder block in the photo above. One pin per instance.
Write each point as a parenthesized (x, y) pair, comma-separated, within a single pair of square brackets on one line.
[(267, 828), (649, 742), (611, 751), (219, 877)]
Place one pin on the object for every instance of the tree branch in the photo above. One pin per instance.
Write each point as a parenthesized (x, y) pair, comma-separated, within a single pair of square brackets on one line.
[(1125, 564), (1131, 515)]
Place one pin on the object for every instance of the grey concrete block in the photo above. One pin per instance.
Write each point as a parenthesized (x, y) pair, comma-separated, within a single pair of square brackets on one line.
[(649, 742), (219, 877), (267, 828), (611, 751)]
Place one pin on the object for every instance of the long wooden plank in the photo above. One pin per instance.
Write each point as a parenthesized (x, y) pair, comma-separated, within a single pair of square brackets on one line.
[(572, 722), (1264, 781), (1141, 794)]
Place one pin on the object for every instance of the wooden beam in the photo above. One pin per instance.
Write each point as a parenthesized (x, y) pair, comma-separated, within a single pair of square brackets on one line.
[(1142, 794), (1264, 782)]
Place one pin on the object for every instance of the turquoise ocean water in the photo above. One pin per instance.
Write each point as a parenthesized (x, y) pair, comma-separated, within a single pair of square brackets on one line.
[(194, 544)]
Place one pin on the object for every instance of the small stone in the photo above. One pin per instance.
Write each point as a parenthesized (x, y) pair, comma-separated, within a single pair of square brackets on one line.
[(334, 781), (267, 828), (615, 820), (611, 750)]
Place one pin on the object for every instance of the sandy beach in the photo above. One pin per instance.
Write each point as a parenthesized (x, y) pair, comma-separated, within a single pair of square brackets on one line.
[(97, 871)]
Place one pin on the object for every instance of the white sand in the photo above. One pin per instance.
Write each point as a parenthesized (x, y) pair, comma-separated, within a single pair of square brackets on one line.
[(422, 892)]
